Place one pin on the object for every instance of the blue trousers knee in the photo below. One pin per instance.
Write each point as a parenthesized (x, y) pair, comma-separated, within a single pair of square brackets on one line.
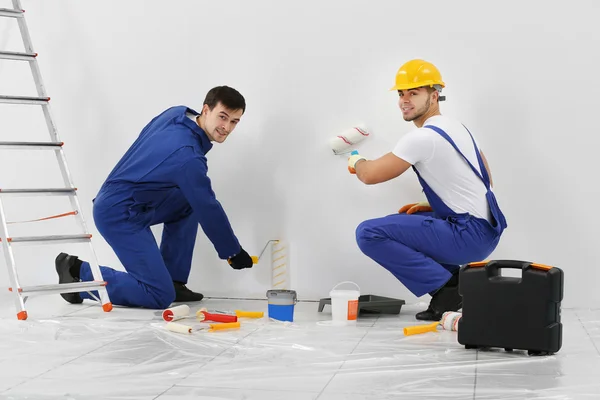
[(421, 250), (151, 270)]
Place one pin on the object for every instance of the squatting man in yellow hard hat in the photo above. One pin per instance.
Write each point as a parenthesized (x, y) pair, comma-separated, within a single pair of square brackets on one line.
[(425, 243)]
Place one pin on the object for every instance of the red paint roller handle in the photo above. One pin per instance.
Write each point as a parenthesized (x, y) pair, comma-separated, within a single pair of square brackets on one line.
[(219, 317)]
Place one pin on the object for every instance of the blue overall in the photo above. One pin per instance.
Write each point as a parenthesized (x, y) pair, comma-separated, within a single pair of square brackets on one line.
[(423, 249), (162, 178)]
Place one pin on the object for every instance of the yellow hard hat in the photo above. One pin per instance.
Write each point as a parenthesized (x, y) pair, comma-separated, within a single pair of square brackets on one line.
[(417, 73)]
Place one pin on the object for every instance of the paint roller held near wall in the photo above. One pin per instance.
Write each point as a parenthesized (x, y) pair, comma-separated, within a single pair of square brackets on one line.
[(346, 140), (256, 259)]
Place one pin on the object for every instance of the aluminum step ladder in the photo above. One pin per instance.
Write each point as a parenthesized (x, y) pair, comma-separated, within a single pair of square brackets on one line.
[(55, 144)]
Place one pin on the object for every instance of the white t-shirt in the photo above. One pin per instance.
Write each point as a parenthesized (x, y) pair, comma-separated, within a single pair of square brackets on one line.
[(444, 170)]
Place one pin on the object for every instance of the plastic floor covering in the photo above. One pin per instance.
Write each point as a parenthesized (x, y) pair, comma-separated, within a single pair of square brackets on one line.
[(79, 352)]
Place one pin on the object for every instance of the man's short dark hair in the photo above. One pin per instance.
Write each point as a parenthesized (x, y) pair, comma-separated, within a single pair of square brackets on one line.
[(436, 88), (229, 97)]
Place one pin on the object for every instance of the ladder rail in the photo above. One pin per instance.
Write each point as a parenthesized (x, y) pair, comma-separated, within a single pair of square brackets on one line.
[(13, 276)]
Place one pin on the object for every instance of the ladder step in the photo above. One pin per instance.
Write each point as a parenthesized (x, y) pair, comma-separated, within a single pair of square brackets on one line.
[(12, 13), (61, 288), (37, 192), (31, 145), (24, 100), (50, 239), (11, 55)]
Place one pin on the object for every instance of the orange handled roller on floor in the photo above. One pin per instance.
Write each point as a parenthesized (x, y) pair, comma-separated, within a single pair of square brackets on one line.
[(249, 314), (181, 328), (238, 313), (449, 322)]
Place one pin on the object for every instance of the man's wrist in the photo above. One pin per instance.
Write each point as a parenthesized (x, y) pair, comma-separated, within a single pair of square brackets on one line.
[(358, 162)]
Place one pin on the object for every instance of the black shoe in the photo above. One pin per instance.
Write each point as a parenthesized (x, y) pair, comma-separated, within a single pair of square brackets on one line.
[(183, 294), (445, 299), (429, 315), (63, 264)]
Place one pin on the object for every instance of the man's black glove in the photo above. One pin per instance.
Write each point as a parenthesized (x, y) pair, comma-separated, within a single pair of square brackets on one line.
[(241, 260)]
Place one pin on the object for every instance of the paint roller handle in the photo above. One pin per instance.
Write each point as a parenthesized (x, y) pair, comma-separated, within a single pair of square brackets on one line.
[(249, 314), (350, 169), (206, 316), (227, 325), (241, 260), (415, 330), (254, 260), (352, 160)]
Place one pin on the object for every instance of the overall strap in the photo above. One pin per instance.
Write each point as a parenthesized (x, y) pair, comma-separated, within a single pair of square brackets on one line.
[(481, 164), (485, 178)]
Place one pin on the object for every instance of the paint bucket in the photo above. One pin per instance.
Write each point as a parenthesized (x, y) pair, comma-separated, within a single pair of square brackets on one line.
[(344, 303), (281, 304)]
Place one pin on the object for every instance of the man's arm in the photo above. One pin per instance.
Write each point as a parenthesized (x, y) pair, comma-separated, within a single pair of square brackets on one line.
[(192, 179), (487, 167), (383, 169)]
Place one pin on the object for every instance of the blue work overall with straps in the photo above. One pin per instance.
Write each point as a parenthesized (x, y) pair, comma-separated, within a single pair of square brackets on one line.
[(423, 249)]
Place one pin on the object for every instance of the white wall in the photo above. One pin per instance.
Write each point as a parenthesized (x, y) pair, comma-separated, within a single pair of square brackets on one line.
[(521, 78)]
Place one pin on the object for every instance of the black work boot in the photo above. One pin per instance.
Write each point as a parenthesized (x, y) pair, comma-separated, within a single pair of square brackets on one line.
[(183, 294), (444, 299), (65, 267)]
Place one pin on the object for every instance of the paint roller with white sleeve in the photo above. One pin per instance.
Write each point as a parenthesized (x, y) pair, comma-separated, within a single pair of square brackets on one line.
[(449, 322), (346, 140)]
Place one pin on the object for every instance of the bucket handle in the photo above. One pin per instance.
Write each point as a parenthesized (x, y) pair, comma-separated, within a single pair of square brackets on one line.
[(341, 283)]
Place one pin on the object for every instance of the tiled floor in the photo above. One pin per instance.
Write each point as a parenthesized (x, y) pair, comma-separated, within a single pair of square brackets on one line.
[(78, 352)]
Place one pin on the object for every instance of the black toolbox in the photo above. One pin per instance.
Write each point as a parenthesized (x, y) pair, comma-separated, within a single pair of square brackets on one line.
[(511, 312)]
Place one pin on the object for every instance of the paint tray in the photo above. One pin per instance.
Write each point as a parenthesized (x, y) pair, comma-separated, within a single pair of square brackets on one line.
[(372, 304)]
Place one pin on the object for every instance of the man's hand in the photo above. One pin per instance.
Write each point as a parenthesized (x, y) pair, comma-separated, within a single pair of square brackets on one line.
[(415, 207), (353, 160), (241, 260)]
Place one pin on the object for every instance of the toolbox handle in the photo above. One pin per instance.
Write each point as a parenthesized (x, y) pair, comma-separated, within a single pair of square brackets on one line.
[(514, 264), (491, 271)]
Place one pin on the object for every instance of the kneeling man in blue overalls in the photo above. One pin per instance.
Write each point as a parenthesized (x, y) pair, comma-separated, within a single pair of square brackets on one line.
[(425, 243), (163, 179)]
